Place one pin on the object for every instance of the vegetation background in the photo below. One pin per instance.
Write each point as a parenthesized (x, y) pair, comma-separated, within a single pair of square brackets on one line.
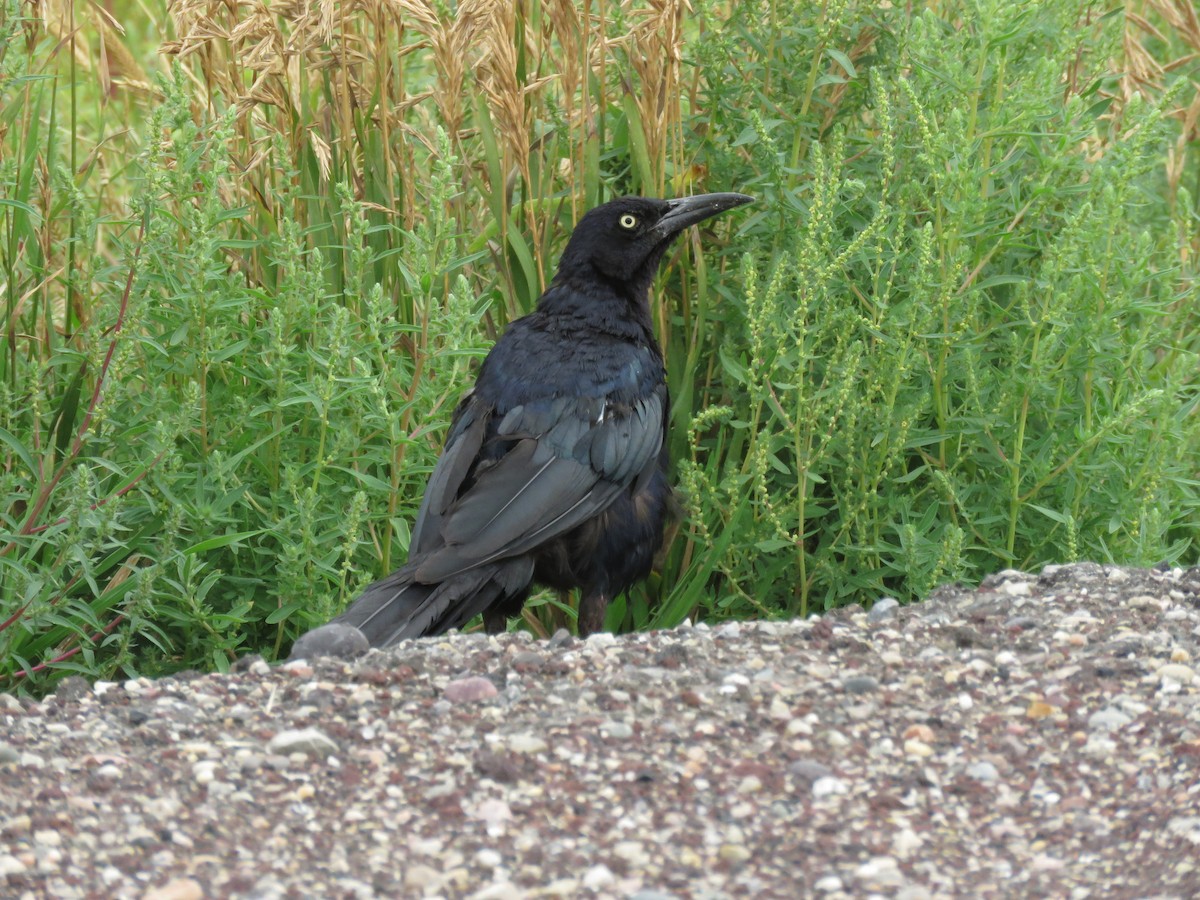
[(250, 253)]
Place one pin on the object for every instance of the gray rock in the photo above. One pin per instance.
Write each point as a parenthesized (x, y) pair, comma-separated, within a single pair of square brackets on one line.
[(618, 731), (861, 684), (312, 741), (983, 771), (469, 690), (335, 639), (809, 770), (528, 661), (883, 609), (880, 872), (1108, 719)]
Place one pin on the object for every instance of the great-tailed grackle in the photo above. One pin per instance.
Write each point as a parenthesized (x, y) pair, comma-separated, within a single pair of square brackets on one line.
[(554, 469)]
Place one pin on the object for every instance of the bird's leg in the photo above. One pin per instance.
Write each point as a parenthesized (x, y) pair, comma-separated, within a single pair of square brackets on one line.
[(495, 621), (592, 608)]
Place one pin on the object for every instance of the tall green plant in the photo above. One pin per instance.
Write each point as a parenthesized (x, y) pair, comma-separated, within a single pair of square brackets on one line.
[(955, 351)]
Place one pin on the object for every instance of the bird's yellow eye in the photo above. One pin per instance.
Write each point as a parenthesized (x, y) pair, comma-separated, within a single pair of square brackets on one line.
[(628, 221)]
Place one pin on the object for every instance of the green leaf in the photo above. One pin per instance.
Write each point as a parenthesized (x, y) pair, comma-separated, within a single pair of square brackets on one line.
[(284, 612), (223, 540)]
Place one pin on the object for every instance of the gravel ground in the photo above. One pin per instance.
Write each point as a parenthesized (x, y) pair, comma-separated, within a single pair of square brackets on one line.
[(1037, 737)]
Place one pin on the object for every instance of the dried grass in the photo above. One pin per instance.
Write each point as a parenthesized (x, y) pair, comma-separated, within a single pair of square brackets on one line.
[(1164, 26), (99, 43), (318, 75), (654, 48)]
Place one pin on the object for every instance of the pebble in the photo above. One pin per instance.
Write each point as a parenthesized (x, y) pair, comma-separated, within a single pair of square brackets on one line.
[(914, 747), (734, 853), (1187, 827), (618, 731), (1176, 672), (489, 858), (1015, 588), (906, 843), (881, 871), (828, 786), (528, 661), (1108, 719), (779, 711), (983, 771), (179, 889), (633, 852), (884, 608), (493, 812), (10, 865), (335, 640), (421, 876), (309, 741), (861, 684), (527, 743), (598, 876), (750, 784), (499, 890), (920, 732), (809, 770), (828, 884), (8, 754), (470, 690)]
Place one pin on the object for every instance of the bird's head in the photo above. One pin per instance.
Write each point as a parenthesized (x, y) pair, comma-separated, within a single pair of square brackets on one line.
[(625, 239)]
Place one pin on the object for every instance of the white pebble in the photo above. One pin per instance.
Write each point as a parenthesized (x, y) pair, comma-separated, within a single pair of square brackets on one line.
[(827, 786), (598, 876), (983, 771), (828, 884), (882, 870), (1176, 672), (1108, 719), (526, 743), (488, 858), (302, 740)]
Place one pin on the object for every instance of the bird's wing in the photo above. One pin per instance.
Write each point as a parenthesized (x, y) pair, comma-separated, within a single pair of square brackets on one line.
[(568, 459), (463, 444)]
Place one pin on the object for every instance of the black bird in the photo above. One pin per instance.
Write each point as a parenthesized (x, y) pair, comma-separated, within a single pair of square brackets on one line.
[(554, 469)]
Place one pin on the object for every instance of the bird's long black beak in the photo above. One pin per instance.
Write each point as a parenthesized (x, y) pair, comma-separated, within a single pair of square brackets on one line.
[(687, 211)]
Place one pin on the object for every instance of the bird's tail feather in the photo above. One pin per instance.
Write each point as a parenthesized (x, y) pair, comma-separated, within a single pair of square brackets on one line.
[(398, 607)]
